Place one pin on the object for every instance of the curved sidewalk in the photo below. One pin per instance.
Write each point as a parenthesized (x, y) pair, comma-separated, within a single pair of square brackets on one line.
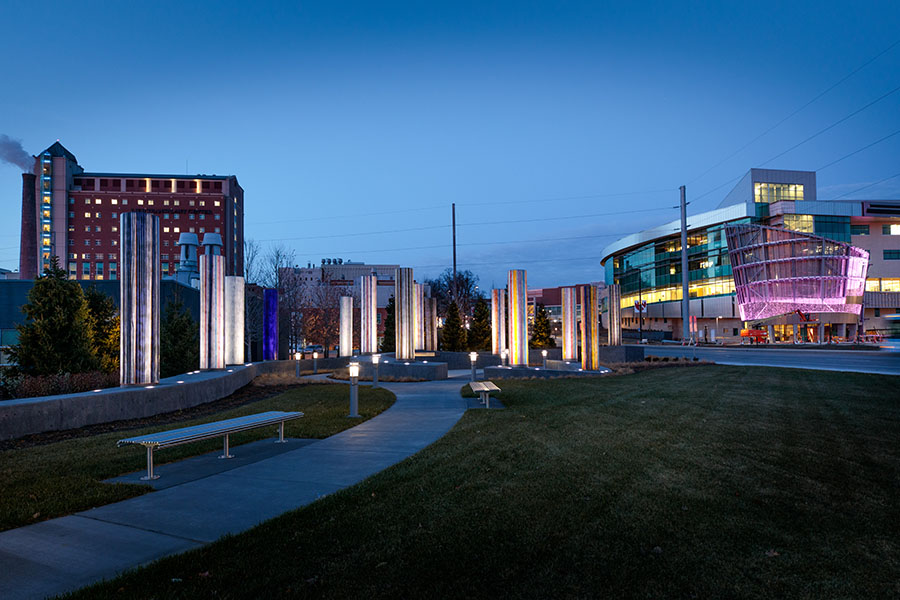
[(70, 552)]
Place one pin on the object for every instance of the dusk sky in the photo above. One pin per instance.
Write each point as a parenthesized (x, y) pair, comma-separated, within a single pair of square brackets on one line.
[(555, 127)]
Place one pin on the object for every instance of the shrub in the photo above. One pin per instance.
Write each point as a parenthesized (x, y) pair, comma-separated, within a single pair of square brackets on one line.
[(31, 386)]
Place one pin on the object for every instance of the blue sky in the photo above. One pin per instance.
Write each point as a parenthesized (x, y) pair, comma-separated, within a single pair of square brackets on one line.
[(353, 126)]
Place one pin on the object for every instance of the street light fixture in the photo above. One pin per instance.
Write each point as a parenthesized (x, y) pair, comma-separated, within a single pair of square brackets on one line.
[(473, 356), (354, 390), (376, 358)]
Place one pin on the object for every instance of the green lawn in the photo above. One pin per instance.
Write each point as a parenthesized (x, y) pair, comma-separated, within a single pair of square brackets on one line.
[(46, 481), (721, 482)]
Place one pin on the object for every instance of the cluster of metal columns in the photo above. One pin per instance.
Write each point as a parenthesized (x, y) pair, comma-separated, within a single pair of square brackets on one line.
[(517, 288), (139, 285), (346, 331)]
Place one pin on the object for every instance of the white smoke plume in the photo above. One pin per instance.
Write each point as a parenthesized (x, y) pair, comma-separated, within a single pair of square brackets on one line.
[(11, 151)]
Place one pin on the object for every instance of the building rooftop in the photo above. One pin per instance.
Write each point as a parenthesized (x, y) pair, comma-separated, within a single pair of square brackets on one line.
[(155, 176), (59, 150)]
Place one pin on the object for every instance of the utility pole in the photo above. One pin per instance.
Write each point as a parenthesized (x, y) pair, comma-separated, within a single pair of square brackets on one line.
[(453, 209), (685, 276)]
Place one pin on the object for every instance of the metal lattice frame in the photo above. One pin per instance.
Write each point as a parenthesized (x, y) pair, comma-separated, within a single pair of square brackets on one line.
[(779, 271)]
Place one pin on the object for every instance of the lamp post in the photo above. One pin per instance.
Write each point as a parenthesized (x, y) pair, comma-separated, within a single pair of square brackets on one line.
[(376, 358), (544, 356), (473, 356), (297, 358), (354, 390), (315, 363)]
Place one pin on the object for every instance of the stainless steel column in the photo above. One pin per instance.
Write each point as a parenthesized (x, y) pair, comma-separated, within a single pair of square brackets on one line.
[(139, 285)]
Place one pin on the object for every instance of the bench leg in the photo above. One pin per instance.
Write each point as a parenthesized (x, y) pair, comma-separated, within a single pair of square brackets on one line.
[(149, 476), (225, 453), (487, 399), (280, 433)]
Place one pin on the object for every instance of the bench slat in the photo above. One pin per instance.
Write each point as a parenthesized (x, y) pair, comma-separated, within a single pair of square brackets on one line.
[(215, 429)]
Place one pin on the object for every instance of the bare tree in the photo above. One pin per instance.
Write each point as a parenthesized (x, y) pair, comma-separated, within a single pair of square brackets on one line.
[(273, 265), (252, 260), (467, 292), (321, 312)]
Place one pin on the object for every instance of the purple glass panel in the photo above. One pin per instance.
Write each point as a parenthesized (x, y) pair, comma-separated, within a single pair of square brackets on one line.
[(270, 324)]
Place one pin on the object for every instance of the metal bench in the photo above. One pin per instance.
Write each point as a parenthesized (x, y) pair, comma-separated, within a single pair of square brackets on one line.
[(484, 389), (195, 433)]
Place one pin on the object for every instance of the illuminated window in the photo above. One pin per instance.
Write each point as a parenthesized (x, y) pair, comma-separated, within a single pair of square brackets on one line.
[(202, 203), (125, 201), (893, 229), (114, 201), (87, 200), (87, 228), (97, 201), (140, 202), (115, 242), (192, 230), (97, 215), (192, 202), (177, 230), (46, 214), (802, 223), (87, 215), (216, 203), (768, 193), (165, 230), (45, 228), (165, 202), (150, 202), (177, 203), (45, 242)]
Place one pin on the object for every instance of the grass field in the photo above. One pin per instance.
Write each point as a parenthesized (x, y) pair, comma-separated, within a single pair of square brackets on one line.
[(713, 481), (45, 481)]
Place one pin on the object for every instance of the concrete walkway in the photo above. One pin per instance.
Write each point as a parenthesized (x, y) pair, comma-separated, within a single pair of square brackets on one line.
[(70, 552)]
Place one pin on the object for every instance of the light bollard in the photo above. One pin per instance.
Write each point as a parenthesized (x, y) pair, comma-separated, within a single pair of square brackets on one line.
[(504, 355), (376, 358), (473, 356), (354, 390), (297, 358), (544, 356), (315, 363)]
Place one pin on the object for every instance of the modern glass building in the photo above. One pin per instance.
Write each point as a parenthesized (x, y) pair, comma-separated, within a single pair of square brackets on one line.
[(647, 264)]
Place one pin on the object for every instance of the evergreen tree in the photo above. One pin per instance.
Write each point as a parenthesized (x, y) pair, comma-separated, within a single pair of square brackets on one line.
[(480, 331), (541, 336), (56, 335), (389, 343), (179, 340), (454, 338), (104, 324)]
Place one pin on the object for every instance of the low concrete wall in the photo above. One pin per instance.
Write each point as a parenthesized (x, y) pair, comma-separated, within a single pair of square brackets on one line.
[(429, 371), (620, 354), (460, 360), (70, 411)]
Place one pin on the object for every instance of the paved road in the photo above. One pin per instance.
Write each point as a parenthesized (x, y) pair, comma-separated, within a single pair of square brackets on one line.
[(861, 361), (65, 554)]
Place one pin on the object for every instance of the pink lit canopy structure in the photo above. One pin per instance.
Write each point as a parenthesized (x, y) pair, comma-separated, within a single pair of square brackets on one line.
[(779, 271)]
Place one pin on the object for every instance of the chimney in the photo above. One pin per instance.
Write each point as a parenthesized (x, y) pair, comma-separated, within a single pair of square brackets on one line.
[(28, 244)]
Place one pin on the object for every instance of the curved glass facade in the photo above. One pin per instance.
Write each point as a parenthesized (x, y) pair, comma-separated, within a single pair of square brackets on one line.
[(779, 271)]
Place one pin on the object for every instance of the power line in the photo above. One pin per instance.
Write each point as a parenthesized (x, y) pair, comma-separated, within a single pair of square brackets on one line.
[(564, 198), (834, 85), (866, 147), (867, 186), (371, 214), (541, 219)]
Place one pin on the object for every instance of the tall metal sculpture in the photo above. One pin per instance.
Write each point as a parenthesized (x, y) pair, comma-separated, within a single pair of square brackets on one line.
[(590, 344), (420, 316), (139, 285), (405, 315), (270, 324), (614, 316), (498, 321), (346, 332), (431, 316), (570, 337), (517, 288), (212, 303), (368, 331), (234, 320)]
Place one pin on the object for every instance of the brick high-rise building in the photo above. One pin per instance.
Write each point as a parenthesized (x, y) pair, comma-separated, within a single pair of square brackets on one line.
[(74, 214)]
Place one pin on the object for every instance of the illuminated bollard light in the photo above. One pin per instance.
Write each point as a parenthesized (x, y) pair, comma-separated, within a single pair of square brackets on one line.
[(354, 390), (376, 358), (503, 356), (297, 358), (315, 363), (544, 355), (473, 356)]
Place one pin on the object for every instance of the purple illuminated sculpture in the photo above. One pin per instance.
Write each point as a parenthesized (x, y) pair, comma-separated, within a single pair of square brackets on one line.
[(270, 324), (779, 271)]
